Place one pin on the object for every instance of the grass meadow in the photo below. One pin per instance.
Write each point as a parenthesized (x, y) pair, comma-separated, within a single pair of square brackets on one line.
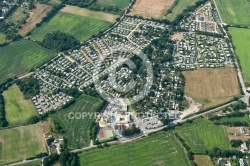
[(81, 27), (20, 57), (241, 41), (21, 142), (234, 12), (182, 5), (202, 135), (18, 110), (158, 149), (77, 130)]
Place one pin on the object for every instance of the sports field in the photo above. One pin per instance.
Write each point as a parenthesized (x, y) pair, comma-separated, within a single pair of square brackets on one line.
[(74, 121), (241, 41), (178, 9), (234, 12), (202, 135), (158, 149), (81, 27), (120, 3), (211, 87), (20, 57), (21, 142), (18, 110)]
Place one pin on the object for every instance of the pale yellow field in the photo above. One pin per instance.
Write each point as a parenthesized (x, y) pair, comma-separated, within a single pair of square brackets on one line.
[(211, 87), (89, 13)]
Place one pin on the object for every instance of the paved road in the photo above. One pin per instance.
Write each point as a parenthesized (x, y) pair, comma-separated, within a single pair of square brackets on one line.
[(23, 162)]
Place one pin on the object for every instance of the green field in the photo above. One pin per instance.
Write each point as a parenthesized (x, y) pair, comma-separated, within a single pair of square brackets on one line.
[(80, 27), (234, 12), (20, 57), (243, 119), (182, 5), (120, 3), (78, 128), (18, 110), (2, 38), (202, 135), (158, 149), (241, 41), (21, 142)]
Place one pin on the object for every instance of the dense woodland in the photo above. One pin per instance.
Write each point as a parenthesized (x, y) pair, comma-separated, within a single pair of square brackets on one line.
[(29, 87), (59, 41)]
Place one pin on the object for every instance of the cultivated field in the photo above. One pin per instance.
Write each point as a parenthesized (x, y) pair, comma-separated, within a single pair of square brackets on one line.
[(90, 13), (21, 142), (18, 110), (149, 8), (81, 27), (120, 3), (202, 135), (211, 87), (234, 12), (20, 57), (35, 17), (78, 128), (241, 41), (202, 160), (182, 5), (158, 149)]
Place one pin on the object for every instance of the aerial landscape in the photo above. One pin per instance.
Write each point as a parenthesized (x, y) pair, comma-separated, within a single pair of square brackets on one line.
[(124, 82)]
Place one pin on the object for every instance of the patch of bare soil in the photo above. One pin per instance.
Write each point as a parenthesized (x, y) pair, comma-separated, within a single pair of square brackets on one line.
[(35, 17)]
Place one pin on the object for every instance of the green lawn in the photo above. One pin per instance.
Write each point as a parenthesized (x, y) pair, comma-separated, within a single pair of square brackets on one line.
[(158, 149), (21, 142), (18, 110), (120, 3), (80, 27), (183, 4), (202, 135), (20, 57), (234, 12), (241, 41), (78, 128)]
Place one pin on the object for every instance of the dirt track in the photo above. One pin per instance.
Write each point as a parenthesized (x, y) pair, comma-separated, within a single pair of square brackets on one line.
[(149, 8)]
